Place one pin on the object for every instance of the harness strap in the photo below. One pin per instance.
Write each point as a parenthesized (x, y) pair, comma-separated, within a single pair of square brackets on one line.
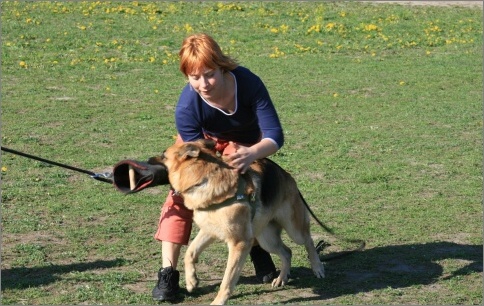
[(240, 195)]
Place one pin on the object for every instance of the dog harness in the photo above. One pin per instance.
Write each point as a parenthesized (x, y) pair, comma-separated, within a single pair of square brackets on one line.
[(240, 195)]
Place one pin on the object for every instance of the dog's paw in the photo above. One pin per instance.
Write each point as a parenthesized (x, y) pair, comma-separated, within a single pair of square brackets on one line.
[(319, 271), (319, 274), (191, 284), (279, 282)]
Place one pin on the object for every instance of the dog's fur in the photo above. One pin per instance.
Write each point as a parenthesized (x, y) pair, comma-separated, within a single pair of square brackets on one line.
[(238, 209)]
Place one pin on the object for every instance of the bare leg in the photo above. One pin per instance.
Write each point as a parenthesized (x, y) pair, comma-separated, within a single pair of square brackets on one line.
[(170, 253)]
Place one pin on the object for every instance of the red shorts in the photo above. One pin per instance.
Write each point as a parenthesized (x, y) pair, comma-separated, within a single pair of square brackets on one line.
[(175, 224)]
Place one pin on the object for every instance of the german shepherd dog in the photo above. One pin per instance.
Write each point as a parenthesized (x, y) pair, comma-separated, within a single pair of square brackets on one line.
[(238, 209)]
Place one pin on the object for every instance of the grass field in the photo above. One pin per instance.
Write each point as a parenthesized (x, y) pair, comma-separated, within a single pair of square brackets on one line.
[(382, 111)]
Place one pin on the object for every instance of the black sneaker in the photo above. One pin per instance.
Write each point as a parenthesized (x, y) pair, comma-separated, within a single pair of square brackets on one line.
[(167, 286), (265, 271)]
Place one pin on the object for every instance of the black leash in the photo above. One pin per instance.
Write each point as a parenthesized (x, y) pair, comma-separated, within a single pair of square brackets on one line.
[(103, 177)]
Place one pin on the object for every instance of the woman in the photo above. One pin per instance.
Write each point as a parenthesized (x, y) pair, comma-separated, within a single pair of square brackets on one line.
[(229, 104)]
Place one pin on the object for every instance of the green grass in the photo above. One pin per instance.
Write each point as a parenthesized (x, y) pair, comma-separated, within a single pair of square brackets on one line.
[(382, 112)]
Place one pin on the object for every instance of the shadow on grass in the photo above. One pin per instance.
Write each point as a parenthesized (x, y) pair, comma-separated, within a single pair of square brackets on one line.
[(25, 277), (387, 267), (396, 266)]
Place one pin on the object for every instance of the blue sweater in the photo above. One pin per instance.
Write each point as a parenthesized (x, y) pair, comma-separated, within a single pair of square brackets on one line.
[(254, 118)]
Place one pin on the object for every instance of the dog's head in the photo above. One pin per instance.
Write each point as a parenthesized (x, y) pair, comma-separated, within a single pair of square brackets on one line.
[(195, 171), (180, 153)]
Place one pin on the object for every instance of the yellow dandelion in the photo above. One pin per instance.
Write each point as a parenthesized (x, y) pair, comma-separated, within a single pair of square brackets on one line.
[(188, 28), (4, 169), (23, 64), (371, 27), (402, 83), (277, 53)]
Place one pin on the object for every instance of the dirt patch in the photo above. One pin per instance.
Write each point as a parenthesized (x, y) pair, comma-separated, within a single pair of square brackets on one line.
[(475, 4)]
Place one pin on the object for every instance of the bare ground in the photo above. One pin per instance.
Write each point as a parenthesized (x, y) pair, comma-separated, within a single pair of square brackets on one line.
[(476, 4)]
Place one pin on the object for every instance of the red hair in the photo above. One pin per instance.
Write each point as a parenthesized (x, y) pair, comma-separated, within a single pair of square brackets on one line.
[(200, 51)]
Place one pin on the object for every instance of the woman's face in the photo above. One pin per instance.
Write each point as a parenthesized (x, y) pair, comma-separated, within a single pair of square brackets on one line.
[(207, 82)]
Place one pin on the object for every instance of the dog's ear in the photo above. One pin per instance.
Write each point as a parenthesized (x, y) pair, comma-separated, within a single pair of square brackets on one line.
[(155, 160), (189, 150), (208, 143)]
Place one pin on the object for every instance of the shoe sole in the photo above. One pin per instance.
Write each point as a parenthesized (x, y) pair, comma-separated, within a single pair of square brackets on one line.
[(164, 299)]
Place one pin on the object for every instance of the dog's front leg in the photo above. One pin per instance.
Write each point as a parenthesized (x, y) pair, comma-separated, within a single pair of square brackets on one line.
[(238, 252), (201, 241)]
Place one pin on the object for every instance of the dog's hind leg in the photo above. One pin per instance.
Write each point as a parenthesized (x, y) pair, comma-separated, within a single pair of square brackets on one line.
[(316, 264), (270, 240), (200, 243), (238, 251), (302, 236)]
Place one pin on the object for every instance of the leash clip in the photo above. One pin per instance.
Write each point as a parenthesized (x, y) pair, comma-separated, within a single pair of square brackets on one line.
[(104, 177)]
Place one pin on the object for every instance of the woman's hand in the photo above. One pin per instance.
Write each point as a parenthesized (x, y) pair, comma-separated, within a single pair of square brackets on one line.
[(242, 158)]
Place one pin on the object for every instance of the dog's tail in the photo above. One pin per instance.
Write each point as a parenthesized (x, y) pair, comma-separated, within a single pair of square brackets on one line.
[(314, 216)]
